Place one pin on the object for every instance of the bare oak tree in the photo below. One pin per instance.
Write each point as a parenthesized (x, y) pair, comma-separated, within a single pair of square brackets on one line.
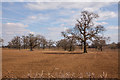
[(41, 41), (85, 29), (33, 41), (15, 43)]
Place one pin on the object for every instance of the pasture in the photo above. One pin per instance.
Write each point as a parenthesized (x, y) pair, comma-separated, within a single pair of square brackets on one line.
[(58, 63)]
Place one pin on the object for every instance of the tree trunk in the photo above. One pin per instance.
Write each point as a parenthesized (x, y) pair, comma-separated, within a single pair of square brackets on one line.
[(85, 50), (65, 48), (101, 48), (70, 48), (19, 47), (81, 47), (43, 46), (31, 48), (49, 47), (24, 46)]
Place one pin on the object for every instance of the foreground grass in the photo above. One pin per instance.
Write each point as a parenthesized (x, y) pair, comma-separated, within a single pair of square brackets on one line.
[(60, 64)]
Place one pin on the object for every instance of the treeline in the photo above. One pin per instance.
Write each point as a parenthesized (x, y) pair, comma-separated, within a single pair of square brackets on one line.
[(114, 45), (40, 42), (68, 44), (30, 41)]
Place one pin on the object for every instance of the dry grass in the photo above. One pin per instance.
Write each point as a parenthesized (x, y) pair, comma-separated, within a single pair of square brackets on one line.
[(37, 63)]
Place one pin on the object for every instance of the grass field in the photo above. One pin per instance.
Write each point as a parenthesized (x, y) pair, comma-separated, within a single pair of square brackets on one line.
[(25, 63)]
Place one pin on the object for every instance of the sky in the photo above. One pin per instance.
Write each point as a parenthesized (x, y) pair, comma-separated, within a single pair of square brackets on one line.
[(51, 18)]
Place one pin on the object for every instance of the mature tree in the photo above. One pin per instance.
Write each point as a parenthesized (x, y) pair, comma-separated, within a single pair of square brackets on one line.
[(66, 44), (118, 45), (94, 44), (9, 45), (19, 42), (70, 41), (99, 42), (62, 43), (71, 44), (1, 42), (33, 41), (43, 42), (85, 29), (15, 43), (38, 42), (25, 42), (79, 44), (50, 43)]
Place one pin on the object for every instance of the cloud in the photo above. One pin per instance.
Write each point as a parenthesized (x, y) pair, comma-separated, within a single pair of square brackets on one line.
[(112, 28), (32, 17), (60, 0), (41, 6), (9, 30), (95, 6), (38, 18), (107, 15), (113, 37), (73, 9), (112, 33), (54, 33), (65, 5), (32, 32), (18, 29), (15, 28), (13, 25), (100, 23), (69, 12)]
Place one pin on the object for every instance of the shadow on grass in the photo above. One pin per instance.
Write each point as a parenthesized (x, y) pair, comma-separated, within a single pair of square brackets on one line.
[(64, 53)]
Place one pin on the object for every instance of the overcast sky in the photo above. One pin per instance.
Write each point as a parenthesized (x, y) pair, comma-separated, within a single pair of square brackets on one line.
[(50, 18)]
